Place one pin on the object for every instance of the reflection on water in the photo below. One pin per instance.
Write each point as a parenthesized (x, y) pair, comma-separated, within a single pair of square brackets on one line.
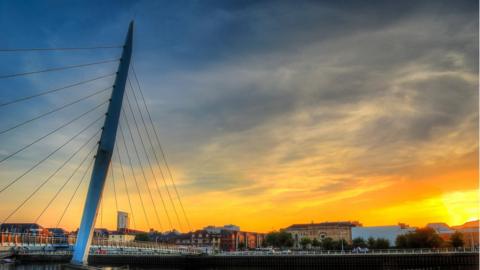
[(56, 266)]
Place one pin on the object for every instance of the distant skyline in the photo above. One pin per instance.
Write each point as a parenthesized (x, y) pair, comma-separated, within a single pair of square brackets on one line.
[(270, 112)]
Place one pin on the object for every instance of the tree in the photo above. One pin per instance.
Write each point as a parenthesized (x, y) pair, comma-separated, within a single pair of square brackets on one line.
[(424, 238), (285, 239), (271, 239), (328, 243), (382, 243), (305, 242), (371, 243), (421, 238), (142, 237), (359, 242), (315, 243), (456, 240), (401, 241), (241, 246), (279, 239), (341, 244)]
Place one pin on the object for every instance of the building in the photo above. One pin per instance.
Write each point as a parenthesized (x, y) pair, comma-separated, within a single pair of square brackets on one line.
[(167, 237), (210, 240), (100, 233), (470, 231), (442, 229), (123, 220), (238, 240), (387, 232), (121, 237), (25, 228), (229, 227), (218, 238), (57, 232), (335, 230)]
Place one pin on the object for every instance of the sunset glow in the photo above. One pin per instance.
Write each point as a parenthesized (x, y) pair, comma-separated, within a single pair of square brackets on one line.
[(269, 114)]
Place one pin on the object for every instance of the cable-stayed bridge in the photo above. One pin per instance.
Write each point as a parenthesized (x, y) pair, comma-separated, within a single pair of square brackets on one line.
[(79, 131), (87, 132)]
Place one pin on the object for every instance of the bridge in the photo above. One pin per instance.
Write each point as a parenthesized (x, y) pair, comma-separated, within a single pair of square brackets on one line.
[(99, 126)]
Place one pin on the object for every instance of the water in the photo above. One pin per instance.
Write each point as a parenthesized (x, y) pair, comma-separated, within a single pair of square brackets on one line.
[(57, 266)]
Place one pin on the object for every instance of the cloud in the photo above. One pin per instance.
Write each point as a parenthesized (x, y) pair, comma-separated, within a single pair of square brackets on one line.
[(268, 104), (371, 101)]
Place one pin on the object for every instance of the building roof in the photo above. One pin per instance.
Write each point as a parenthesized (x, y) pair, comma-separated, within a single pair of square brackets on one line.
[(57, 230), (324, 224), (20, 227), (440, 227), (469, 224)]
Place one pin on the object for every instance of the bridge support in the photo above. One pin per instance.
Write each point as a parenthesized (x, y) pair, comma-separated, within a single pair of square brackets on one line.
[(103, 157)]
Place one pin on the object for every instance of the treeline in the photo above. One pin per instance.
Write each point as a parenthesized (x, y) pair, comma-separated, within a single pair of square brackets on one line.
[(283, 239), (420, 238), (428, 238), (371, 243)]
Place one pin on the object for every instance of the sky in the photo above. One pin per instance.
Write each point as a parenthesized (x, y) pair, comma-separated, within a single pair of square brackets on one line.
[(270, 112)]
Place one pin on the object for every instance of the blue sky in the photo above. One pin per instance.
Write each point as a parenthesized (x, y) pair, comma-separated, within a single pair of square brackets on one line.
[(267, 105)]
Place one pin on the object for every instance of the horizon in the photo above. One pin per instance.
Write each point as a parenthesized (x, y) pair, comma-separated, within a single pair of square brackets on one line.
[(270, 113), (278, 229)]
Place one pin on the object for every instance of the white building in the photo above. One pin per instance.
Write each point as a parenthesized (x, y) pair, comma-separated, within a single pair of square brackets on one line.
[(387, 232), (440, 228), (214, 229), (123, 221)]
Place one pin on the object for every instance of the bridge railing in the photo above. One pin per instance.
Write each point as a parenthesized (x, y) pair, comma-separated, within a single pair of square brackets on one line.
[(350, 252), (25, 239), (99, 245), (157, 252), (168, 248)]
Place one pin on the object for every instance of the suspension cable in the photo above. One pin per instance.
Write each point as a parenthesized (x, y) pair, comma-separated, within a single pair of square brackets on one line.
[(75, 192), (114, 188), (55, 110), (66, 182), (57, 68), (133, 173), (50, 133), (157, 137), (50, 177), (126, 187), (101, 211), (148, 158), (143, 172), (55, 90), (60, 49), (48, 156), (151, 145)]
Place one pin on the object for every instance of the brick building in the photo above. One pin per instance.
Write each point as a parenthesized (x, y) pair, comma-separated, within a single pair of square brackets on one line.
[(236, 240), (220, 239), (319, 231), (23, 228)]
